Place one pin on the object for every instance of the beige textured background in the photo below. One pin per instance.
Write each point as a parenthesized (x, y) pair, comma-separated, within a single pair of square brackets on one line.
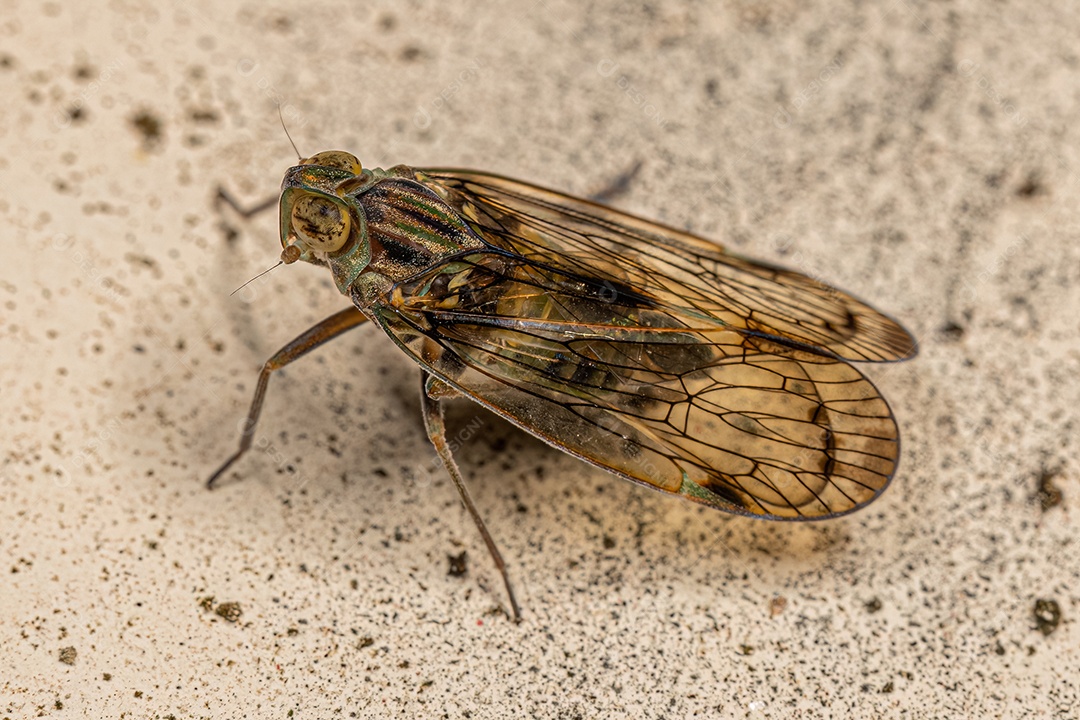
[(921, 155)]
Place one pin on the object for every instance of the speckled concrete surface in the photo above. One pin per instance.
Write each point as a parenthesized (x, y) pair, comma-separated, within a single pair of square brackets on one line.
[(922, 155)]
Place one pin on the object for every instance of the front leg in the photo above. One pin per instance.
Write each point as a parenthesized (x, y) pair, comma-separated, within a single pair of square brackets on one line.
[(432, 392), (223, 196), (312, 338)]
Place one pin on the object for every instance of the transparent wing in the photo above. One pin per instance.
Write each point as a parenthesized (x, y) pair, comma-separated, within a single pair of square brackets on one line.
[(629, 372), (672, 268)]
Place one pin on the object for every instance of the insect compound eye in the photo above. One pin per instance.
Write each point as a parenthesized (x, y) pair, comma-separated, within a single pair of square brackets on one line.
[(335, 159), (320, 223)]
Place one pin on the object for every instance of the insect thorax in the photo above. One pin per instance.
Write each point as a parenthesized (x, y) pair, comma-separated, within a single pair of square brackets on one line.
[(410, 229)]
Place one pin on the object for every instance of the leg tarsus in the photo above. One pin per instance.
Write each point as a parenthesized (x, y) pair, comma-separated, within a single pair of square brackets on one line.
[(249, 424)]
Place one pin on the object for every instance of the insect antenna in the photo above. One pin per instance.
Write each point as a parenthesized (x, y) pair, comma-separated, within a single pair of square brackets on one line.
[(295, 149), (279, 262)]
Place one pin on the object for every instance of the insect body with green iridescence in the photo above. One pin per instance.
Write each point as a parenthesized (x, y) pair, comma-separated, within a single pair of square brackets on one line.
[(644, 350)]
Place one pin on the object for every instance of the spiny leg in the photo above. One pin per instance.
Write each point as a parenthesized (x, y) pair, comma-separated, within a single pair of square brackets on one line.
[(615, 188), (431, 392), (312, 338)]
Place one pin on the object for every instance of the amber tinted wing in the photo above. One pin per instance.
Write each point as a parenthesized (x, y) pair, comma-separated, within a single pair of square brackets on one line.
[(661, 394), (674, 268)]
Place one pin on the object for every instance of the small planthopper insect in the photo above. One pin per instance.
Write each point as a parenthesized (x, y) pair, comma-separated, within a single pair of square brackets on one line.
[(644, 350)]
